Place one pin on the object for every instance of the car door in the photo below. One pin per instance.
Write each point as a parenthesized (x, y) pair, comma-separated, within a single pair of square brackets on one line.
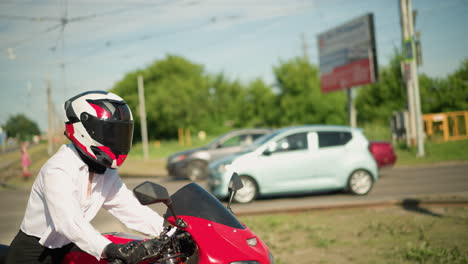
[(333, 155), (285, 165)]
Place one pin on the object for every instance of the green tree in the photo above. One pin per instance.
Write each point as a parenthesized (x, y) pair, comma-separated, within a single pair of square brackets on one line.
[(175, 90), (21, 127), (452, 93), (377, 101), (227, 101), (179, 94), (300, 99), (259, 106)]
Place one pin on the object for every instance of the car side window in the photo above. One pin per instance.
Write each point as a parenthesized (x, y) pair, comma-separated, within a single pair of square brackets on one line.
[(333, 138), (255, 136), (239, 140), (232, 142), (292, 142)]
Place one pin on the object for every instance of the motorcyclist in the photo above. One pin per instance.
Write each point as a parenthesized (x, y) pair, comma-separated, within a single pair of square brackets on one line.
[(77, 181)]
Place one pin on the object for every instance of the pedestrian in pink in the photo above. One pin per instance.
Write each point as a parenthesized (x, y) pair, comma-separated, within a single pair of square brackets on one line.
[(25, 162)]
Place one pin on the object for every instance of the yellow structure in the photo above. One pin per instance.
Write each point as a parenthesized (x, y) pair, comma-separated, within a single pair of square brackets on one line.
[(184, 140), (451, 125)]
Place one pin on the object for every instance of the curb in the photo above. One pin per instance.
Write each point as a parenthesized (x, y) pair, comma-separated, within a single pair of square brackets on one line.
[(429, 165), (405, 203)]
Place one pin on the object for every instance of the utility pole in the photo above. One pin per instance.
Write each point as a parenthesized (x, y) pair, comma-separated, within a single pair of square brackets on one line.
[(144, 131), (50, 124), (28, 96), (305, 53), (411, 134), (351, 107), (411, 76)]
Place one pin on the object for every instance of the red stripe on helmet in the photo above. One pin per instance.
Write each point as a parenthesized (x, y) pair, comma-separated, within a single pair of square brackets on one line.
[(70, 133), (108, 151), (119, 159), (100, 111)]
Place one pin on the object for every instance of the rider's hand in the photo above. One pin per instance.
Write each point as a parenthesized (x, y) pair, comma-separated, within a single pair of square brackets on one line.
[(130, 253), (154, 246)]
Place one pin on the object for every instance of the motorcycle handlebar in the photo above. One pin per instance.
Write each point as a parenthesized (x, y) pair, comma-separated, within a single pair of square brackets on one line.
[(149, 245)]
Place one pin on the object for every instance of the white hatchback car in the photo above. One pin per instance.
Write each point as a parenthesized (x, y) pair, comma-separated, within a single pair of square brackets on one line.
[(296, 160)]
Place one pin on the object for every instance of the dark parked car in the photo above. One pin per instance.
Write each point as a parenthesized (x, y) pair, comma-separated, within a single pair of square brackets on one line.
[(383, 153), (192, 164)]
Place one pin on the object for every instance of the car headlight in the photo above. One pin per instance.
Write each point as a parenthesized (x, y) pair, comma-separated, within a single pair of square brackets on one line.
[(223, 167)]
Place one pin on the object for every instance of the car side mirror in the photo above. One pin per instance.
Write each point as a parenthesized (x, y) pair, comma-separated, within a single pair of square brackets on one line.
[(150, 193), (271, 148)]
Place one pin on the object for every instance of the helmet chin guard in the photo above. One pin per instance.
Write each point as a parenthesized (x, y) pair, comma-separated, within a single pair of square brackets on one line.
[(100, 125)]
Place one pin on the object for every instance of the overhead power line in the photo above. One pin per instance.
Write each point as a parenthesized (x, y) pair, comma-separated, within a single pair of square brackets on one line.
[(147, 37), (18, 42), (27, 18)]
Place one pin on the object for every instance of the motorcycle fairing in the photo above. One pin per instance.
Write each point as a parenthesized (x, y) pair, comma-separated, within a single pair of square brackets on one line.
[(221, 244), (193, 200), (220, 237)]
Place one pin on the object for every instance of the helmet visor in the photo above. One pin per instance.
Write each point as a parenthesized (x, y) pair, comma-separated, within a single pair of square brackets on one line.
[(115, 134)]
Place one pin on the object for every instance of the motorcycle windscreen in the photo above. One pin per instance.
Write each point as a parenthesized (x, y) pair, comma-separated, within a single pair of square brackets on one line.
[(193, 200)]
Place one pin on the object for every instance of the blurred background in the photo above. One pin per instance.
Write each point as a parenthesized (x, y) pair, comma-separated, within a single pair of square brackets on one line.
[(211, 66)]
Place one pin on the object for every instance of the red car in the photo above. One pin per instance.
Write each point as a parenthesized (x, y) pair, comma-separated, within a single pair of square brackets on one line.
[(383, 153)]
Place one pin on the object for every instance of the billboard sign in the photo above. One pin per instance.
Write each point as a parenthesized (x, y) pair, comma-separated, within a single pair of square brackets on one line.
[(347, 55)]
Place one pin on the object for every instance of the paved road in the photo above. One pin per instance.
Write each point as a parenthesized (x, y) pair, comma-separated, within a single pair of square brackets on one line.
[(394, 184)]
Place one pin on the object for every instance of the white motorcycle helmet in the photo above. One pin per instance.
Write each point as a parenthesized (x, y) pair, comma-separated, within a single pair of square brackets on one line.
[(100, 125)]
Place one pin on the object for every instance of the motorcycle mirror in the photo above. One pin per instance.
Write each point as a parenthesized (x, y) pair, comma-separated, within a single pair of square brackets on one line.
[(150, 193), (235, 184)]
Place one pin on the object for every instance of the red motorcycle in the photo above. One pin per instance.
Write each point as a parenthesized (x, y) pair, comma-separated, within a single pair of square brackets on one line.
[(206, 232)]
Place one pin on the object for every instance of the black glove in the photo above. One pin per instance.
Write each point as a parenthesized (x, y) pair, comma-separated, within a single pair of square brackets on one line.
[(154, 246), (130, 253)]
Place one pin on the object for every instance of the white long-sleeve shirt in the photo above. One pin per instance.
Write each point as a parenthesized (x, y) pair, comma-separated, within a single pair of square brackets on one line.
[(59, 209)]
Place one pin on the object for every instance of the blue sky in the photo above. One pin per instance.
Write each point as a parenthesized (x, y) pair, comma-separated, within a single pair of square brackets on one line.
[(244, 39)]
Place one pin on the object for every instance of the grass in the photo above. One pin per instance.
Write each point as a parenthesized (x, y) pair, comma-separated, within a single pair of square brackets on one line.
[(383, 235), (434, 152), (377, 132), (12, 160)]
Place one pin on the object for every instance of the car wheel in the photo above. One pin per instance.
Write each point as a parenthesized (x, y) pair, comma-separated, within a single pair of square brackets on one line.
[(248, 193), (360, 182), (196, 170)]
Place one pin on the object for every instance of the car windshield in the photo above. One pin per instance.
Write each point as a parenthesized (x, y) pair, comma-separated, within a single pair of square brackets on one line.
[(260, 141), (193, 200), (216, 141)]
